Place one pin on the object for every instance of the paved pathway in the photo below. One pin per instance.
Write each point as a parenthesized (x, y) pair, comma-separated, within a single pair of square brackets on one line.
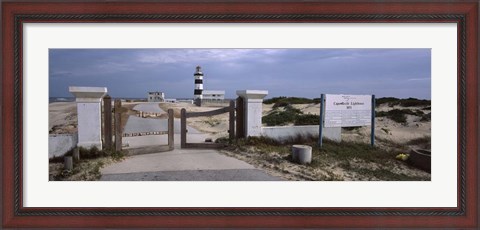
[(184, 165), (151, 107), (179, 164)]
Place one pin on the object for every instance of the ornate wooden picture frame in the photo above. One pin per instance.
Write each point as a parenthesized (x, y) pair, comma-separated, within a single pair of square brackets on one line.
[(463, 13)]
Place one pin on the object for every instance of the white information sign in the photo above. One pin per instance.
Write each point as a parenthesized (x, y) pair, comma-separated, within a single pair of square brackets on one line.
[(348, 110)]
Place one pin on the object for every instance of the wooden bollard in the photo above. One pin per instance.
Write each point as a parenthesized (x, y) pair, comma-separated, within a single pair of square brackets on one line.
[(118, 124), (68, 163), (76, 154), (302, 154), (107, 121)]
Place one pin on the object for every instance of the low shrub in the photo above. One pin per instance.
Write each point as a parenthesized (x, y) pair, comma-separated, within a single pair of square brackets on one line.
[(408, 102), (267, 141), (291, 100), (351, 128), (422, 142), (301, 139), (288, 116), (384, 100), (90, 153), (224, 140), (307, 119), (426, 117), (413, 102), (280, 104), (292, 109), (399, 115), (277, 118), (273, 100)]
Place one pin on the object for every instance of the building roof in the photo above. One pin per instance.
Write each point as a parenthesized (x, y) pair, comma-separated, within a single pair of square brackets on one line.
[(213, 92)]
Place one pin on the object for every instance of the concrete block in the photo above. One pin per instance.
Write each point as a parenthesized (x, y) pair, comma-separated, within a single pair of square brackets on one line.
[(302, 154), (59, 144)]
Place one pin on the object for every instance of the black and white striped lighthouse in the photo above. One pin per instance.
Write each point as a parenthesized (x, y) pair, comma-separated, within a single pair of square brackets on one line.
[(197, 94)]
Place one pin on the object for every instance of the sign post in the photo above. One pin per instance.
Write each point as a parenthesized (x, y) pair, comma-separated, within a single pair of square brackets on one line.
[(372, 132), (322, 110)]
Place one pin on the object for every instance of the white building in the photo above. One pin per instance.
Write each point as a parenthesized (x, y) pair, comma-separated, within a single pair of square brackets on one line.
[(214, 95), (171, 100), (156, 97)]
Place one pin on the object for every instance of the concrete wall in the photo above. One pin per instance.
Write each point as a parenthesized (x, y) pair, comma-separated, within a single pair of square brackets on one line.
[(214, 103), (59, 144), (285, 132)]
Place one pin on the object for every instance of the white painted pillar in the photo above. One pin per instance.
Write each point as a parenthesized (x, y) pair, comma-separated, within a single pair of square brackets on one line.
[(253, 100), (89, 100)]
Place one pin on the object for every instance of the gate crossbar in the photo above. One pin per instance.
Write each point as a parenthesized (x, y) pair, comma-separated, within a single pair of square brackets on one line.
[(210, 113), (183, 123)]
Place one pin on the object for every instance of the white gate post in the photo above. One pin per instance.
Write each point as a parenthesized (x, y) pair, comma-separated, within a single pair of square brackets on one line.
[(89, 100), (253, 100)]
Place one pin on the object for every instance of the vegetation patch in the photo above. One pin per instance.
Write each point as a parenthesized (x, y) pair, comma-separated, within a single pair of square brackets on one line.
[(399, 115), (87, 168), (90, 153), (387, 131), (351, 128), (422, 142), (283, 101), (289, 115), (408, 102), (307, 119), (426, 117), (386, 175), (334, 161)]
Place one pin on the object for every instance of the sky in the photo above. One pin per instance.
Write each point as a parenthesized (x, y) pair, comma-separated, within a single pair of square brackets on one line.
[(131, 73)]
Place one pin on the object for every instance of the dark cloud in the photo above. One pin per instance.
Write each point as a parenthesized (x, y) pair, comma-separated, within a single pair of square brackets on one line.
[(283, 72)]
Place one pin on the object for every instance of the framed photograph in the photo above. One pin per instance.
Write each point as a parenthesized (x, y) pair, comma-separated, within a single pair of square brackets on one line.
[(281, 114)]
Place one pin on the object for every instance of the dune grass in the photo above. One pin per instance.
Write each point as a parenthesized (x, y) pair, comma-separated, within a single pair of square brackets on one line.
[(87, 168), (360, 160)]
